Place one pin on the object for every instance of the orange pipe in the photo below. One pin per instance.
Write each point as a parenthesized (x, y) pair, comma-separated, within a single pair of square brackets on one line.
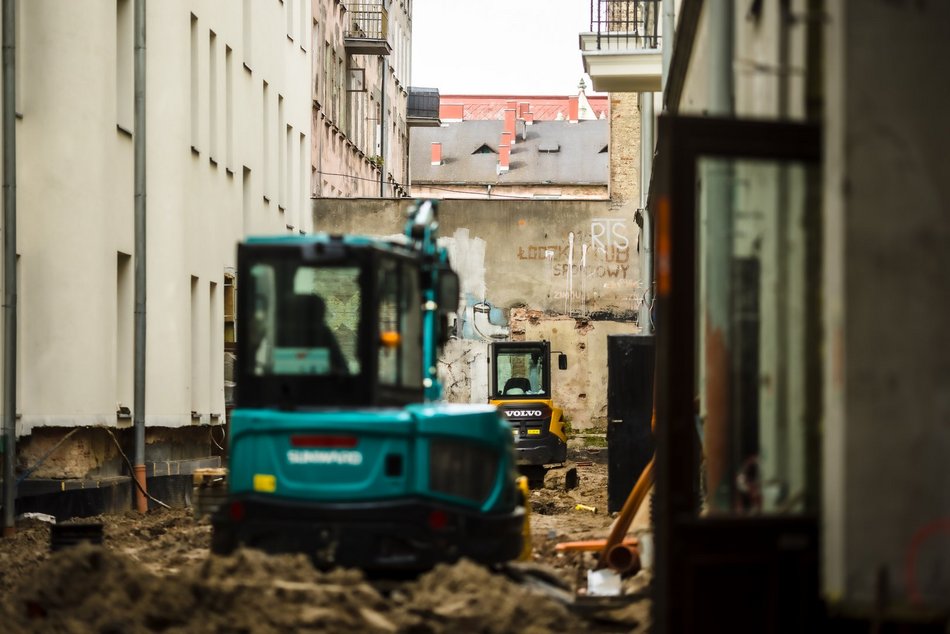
[(629, 510), (590, 545), (140, 501), (623, 559)]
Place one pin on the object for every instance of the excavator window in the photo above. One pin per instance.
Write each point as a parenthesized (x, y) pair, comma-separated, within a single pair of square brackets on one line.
[(303, 322)]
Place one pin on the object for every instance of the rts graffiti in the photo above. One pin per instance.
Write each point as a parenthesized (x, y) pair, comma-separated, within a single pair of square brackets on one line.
[(608, 242), (590, 261)]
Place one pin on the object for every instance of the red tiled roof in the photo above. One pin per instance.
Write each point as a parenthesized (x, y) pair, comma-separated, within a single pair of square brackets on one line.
[(491, 107)]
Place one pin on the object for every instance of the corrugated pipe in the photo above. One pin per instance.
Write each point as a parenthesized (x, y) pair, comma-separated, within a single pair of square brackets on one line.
[(9, 266), (138, 406)]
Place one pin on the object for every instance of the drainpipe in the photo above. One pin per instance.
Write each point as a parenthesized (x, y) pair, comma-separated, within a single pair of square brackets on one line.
[(644, 318), (382, 126), (9, 266), (138, 415)]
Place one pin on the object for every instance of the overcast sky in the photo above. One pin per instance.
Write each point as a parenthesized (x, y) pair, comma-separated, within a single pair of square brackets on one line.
[(525, 47)]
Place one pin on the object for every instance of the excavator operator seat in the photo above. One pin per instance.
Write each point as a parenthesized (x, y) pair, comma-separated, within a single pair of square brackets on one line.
[(516, 385)]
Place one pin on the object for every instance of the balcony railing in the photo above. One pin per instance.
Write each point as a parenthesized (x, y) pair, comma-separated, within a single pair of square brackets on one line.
[(625, 24), (367, 28)]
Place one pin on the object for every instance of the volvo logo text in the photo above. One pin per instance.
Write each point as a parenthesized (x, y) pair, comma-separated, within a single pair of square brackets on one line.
[(522, 413)]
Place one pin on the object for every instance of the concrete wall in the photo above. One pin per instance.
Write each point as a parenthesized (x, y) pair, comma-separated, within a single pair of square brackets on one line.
[(563, 270), (887, 259), (217, 168)]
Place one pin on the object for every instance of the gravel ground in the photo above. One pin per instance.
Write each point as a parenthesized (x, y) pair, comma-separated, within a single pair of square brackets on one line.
[(153, 573)]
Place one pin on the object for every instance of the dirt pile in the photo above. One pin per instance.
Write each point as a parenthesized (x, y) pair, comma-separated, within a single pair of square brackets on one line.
[(153, 572), (93, 589), (21, 554), (465, 597)]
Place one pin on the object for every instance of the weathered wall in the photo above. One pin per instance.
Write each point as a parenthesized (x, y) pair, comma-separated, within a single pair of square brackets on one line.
[(567, 257), (572, 265), (887, 236), (625, 151)]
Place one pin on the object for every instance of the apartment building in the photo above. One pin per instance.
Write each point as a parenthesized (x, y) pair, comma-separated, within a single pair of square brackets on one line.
[(228, 154), (360, 92)]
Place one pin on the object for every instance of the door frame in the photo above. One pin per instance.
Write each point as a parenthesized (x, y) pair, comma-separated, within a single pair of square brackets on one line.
[(682, 141)]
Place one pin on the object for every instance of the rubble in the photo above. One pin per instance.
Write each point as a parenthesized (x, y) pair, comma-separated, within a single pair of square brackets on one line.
[(153, 572)]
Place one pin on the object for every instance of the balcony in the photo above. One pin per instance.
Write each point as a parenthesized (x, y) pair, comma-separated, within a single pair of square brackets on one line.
[(621, 52), (367, 29), (423, 108)]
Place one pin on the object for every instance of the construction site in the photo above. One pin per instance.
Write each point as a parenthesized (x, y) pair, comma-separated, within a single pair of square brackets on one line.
[(292, 343)]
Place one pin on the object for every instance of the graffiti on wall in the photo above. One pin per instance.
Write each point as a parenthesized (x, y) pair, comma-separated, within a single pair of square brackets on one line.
[(591, 261)]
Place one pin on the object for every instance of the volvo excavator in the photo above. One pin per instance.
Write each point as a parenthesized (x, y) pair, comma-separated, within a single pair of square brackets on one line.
[(521, 389)]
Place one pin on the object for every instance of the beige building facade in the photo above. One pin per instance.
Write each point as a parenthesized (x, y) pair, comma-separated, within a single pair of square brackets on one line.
[(228, 122)]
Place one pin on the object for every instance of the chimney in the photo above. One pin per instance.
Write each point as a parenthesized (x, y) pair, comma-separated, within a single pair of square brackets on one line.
[(436, 153), (504, 156), (523, 108), (572, 109), (510, 122), (451, 112), (529, 118), (505, 139)]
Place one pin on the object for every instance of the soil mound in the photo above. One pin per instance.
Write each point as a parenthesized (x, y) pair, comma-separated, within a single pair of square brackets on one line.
[(90, 588)]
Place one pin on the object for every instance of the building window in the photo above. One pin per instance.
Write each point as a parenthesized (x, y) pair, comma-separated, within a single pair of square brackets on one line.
[(246, 32), (195, 112), (289, 171), (315, 64), (20, 55), (289, 11), (214, 373), (195, 347), (303, 160), (124, 56), (281, 154), (213, 97), (124, 333), (326, 76), (265, 141), (229, 108)]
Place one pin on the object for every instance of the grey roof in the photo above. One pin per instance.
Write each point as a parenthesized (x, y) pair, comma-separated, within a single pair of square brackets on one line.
[(577, 161)]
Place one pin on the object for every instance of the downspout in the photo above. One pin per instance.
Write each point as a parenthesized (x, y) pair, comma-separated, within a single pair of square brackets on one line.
[(138, 415), (644, 317), (9, 266), (382, 126)]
